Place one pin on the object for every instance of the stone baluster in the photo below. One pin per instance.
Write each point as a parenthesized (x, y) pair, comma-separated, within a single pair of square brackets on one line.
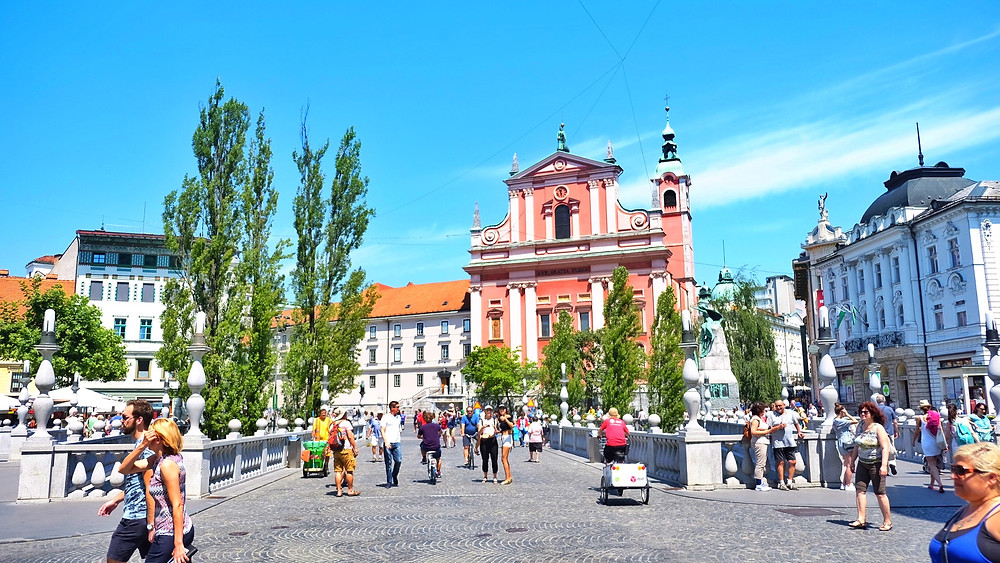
[(282, 425), (261, 427), (79, 480), (116, 479), (97, 478), (299, 424), (564, 397), (234, 429)]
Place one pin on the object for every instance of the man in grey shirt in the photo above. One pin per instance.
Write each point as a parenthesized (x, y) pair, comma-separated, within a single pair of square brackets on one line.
[(893, 419), (784, 443)]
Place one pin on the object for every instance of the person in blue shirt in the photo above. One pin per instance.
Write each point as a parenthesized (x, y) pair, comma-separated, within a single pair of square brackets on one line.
[(470, 427), (133, 532)]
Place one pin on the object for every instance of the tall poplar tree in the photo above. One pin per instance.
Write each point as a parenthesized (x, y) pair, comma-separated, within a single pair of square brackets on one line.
[(751, 345), (218, 224), (564, 348), (664, 377), (329, 228), (621, 360)]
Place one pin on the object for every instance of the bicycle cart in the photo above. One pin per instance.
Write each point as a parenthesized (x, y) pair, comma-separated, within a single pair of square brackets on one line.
[(317, 461), (620, 475)]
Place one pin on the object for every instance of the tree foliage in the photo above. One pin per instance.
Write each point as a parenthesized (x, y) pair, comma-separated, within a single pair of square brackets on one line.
[(664, 377), (86, 346), (329, 228), (219, 223), (751, 345), (620, 360), (573, 348), (498, 374)]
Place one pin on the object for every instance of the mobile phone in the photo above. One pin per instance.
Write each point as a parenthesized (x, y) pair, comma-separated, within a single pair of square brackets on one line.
[(188, 551)]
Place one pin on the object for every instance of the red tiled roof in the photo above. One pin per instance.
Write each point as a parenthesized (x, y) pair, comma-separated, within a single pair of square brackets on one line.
[(412, 299), (47, 259), (10, 289)]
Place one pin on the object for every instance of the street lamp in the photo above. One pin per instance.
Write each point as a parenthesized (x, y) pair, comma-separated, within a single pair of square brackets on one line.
[(828, 395), (874, 378), (993, 369), (324, 397), (564, 395)]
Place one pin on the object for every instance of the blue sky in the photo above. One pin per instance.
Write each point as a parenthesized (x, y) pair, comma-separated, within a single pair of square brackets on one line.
[(773, 105)]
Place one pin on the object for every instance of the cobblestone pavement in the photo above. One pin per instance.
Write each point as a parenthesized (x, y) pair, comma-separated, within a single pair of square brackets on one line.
[(549, 513)]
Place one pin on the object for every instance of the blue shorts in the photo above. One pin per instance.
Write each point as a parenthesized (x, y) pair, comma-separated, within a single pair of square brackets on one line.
[(163, 547), (436, 453), (131, 535)]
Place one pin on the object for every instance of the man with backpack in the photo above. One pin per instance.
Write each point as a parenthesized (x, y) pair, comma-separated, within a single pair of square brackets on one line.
[(345, 452)]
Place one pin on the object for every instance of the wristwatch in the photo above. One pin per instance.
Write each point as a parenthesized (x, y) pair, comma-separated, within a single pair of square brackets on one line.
[(149, 527)]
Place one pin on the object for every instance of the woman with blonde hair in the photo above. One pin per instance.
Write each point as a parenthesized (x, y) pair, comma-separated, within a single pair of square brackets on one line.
[(973, 533), (171, 531)]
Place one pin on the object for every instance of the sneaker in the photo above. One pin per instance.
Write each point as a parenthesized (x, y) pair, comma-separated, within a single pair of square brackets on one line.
[(423, 462), (792, 486), (843, 487), (495, 480), (782, 487), (892, 468), (850, 488), (762, 488), (438, 473)]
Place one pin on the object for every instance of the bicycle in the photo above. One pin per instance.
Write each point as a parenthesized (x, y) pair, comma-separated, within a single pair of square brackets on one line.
[(432, 462), (471, 463)]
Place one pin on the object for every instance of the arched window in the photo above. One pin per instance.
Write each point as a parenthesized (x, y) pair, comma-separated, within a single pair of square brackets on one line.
[(562, 221), (669, 199)]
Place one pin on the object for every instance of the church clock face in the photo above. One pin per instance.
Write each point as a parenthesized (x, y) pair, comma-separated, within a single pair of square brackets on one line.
[(561, 192)]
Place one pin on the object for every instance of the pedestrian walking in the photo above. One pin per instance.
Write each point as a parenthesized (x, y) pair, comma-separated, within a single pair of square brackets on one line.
[(928, 430), (131, 535), (891, 428), (392, 437), (171, 531), (374, 435), (536, 438), (842, 427), (871, 449), (344, 457), (486, 442), (505, 424)]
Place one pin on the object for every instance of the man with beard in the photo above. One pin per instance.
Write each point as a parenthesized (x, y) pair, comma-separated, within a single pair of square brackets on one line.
[(132, 532)]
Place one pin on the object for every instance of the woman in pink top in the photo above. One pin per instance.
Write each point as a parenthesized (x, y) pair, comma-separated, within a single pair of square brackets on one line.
[(614, 429)]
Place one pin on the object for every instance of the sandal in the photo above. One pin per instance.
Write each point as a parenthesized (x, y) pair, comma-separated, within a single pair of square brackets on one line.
[(885, 527), (941, 489), (858, 525), (339, 495), (353, 494)]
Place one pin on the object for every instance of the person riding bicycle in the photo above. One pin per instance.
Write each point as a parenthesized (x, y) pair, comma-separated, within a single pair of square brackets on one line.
[(430, 433), (470, 427), (616, 432)]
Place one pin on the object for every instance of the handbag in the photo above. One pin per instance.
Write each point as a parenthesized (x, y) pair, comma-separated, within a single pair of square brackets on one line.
[(939, 437)]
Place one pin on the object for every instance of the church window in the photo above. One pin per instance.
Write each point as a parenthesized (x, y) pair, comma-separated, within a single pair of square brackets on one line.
[(562, 221), (545, 326), (669, 199), (584, 320)]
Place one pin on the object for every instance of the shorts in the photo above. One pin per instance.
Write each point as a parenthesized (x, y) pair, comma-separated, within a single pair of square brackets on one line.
[(507, 441), (129, 536), (785, 454), (468, 439), (866, 473), (534, 446), (436, 453), (163, 546), (613, 453), (343, 460)]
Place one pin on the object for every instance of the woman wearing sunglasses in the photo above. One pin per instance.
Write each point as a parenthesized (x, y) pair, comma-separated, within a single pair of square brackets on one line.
[(972, 533), (871, 450)]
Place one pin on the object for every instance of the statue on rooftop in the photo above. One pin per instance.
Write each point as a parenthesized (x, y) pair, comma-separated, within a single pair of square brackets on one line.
[(822, 207)]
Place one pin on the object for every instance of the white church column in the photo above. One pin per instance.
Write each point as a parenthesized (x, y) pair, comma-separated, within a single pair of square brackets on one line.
[(516, 307), (530, 323), (870, 294), (852, 294), (887, 308), (905, 283), (593, 186), (477, 314), (515, 216), (597, 298), (611, 200), (529, 214), (659, 280)]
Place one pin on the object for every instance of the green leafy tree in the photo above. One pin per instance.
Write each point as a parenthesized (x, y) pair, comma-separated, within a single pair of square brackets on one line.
[(329, 228), (620, 360), (86, 346), (565, 347), (751, 345), (664, 377), (498, 374), (218, 224)]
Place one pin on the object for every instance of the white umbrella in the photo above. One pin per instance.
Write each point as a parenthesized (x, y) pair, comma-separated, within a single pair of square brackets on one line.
[(7, 402), (88, 398)]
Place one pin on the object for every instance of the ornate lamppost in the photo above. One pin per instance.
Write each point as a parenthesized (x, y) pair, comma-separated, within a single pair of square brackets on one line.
[(45, 379), (196, 377), (828, 395), (324, 396), (22, 411), (993, 369), (564, 395), (692, 398), (874, 377)]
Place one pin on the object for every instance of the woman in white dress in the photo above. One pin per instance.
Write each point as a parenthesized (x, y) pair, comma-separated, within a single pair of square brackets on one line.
[(928, 428)]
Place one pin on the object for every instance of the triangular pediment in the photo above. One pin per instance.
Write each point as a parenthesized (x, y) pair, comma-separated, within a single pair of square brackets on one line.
[(563, 163)]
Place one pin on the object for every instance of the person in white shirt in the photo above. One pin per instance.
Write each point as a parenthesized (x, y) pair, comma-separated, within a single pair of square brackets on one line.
[(392, 437), (536, 436)]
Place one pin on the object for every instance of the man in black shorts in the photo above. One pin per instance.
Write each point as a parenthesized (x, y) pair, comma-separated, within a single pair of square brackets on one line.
[(784, 444)]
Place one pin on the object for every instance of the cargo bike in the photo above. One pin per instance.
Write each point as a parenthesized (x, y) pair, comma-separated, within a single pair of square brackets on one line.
[(314, 459), (619, 475)]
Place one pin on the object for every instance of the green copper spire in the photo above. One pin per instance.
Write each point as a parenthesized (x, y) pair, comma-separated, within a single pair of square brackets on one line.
[(561, 138), (669, 161)]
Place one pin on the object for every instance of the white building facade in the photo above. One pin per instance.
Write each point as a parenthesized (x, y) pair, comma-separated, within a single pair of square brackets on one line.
[(915, 278)]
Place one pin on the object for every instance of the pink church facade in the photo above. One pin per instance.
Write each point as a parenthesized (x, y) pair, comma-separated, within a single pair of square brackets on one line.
[(564, 234)]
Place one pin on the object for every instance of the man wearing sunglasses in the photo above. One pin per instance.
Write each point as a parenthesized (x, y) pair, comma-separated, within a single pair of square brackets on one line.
[(132, 533)]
